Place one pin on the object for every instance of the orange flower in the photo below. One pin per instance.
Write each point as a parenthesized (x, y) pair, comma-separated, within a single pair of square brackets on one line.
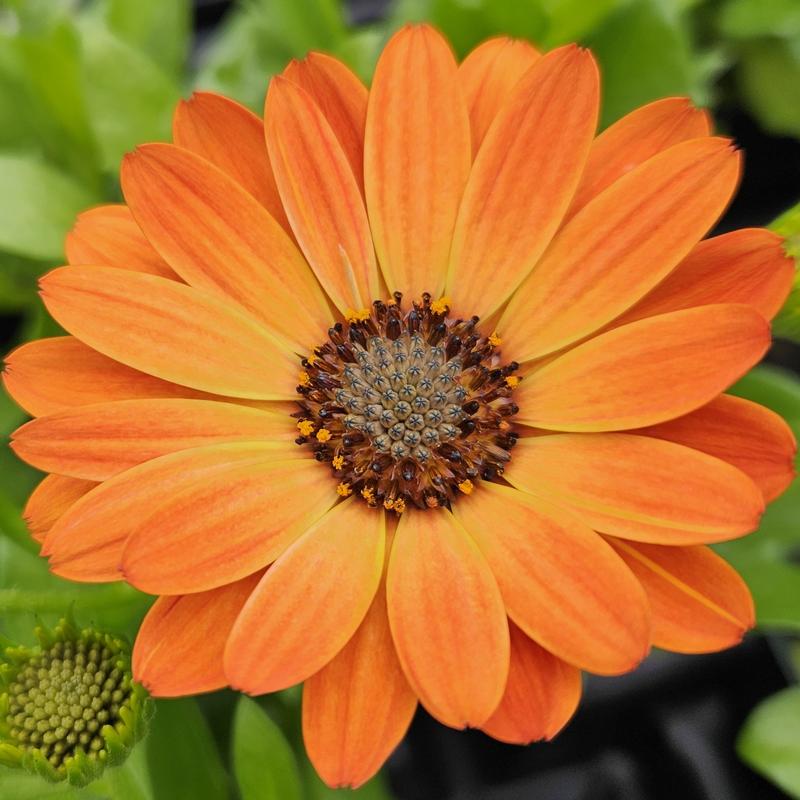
[(277, 411)]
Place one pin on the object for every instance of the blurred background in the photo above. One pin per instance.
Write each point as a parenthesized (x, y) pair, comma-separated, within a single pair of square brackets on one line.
[(83, 82)]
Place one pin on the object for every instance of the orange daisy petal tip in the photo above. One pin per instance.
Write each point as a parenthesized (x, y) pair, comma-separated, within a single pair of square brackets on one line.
[(412, 393)]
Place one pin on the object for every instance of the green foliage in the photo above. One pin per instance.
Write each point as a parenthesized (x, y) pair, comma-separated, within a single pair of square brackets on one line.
[(787, 323), (770, 740), (35, 217), (263, 761)]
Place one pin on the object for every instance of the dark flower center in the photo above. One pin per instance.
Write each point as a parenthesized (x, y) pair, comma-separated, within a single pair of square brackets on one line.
[(408, 406)]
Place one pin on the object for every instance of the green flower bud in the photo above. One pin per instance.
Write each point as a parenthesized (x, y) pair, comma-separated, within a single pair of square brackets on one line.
[(69, 707)]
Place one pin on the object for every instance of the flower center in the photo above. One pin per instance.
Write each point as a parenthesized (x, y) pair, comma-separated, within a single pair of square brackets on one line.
[(408, 406), (63, 697)]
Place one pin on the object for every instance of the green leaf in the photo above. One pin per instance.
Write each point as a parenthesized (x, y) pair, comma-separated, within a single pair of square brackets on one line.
[(42, 105), (770, 740), (645, 53), (17, 785), (768, 75), (263, 761), (159, 29), (38, 205), (130, 99), (768, 559), (787, 323), (747, 19), (182, 758), (572, 20)]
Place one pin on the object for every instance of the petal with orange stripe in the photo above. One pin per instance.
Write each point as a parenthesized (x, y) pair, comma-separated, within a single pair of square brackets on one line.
[(688, 496), (487, 76), (310, 602), (249, 490), (321, 196), (647, 372), (109, 236), (96, 442), (231, 137), (49, 375), (447, 618), (561, 583), (635, 138), (746, 266), (220, 239), (523, 179), (743, 433), (351, 721), (699, 602), (50, 500), (175, 332), (417, 155), (178, 650), (342, 98), (541, 695), (620, 245), (261, 505)]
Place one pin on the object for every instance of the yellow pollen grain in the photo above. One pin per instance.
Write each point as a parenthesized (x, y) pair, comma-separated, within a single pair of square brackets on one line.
[(312, 359), (368, 494), (306, 427), (357, 316), (344, 490), (441, 305), (388, 504), (337, 462), (512, 381), (399, 505), (323, 435), (466, 486), (304, 378), (495, 340)]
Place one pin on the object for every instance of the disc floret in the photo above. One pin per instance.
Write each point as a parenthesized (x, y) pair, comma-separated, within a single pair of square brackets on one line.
[(69, 707), (409, 407)]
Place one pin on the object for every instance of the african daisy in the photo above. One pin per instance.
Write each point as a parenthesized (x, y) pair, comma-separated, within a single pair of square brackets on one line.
[(412, 393)]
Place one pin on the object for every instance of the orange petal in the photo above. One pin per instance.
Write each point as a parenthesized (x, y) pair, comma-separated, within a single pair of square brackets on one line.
[(108, 235), (50, 500), (342, 98), (179, 647), (639, 480), (646, 372), (699, 602), (743, 433), (49, 375), (357, 708), (416, 159), (561, 583), (746, 266), (169, 330), (487, 76), (310, 602), (620, 246), (262, 507), (523, 179), (321, 196), (634, 139), (155, 498), (231, 137), (541, 695), (447, 618), (98, 441), (219, 238)]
